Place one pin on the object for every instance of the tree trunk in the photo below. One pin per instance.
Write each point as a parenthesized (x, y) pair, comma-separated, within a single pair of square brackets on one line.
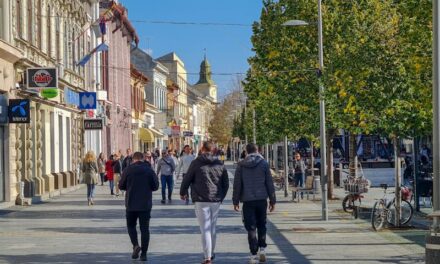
[(353, 156), (329, 143), (398, 198)]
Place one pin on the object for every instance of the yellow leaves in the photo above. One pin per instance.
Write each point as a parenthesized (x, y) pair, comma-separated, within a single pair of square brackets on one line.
[(273, 54), (342, 93), (418, 67)]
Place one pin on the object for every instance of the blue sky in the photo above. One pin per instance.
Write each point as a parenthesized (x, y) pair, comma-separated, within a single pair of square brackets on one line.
[(228, 47)]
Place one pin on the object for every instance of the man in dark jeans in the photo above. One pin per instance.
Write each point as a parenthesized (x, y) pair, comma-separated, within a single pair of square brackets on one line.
[(139, 180), (253, 184)]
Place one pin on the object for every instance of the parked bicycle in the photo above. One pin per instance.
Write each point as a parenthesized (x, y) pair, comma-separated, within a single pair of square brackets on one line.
[(355, 187), (384, 210)]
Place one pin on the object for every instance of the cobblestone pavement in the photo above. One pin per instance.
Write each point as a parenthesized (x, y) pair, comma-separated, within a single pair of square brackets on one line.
[(66, 230)]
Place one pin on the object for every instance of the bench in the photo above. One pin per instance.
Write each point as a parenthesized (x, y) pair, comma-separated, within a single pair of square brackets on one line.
[(307, 189)]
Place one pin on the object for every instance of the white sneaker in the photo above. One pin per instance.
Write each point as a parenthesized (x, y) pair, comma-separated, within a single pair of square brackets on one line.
[(253, 259), (262, 255)]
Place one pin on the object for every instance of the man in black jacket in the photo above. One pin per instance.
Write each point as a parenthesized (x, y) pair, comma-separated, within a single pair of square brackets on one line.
[(253, 184), (209, 183), (139, 180)]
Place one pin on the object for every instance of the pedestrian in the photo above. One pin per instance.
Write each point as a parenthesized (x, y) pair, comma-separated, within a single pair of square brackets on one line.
[(89, 169), (139, 180), (209, 182), (109, 173), (175, 159), (253, 185), (166, 168), (150, 159), (156, 155), (117, 170), (243, 154), (101, 167), (299, 170), (127, 160), (185, 161)]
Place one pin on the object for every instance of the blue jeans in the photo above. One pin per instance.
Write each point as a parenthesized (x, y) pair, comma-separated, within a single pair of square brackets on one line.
[(167, 181), (90, 191), (112, 185), (299, 179)]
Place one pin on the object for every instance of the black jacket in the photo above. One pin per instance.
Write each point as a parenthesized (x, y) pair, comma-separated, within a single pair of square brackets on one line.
[(117, 166), (127, 162), (139, 180), (253, 181), (208, 179)]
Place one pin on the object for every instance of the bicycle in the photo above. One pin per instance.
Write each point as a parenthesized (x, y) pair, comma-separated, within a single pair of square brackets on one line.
[(384, 210)]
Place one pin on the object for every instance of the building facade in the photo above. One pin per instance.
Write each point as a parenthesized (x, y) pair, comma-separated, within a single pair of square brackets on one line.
[(120, 34), (45, 153)]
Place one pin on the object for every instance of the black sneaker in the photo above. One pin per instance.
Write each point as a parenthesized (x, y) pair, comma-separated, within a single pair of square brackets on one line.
[(136, 251), (162, 202), (143, 257)]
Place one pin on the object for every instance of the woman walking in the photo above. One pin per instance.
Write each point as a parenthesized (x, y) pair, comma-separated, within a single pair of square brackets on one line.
[(101, 167), (90, 171), (109, 171)]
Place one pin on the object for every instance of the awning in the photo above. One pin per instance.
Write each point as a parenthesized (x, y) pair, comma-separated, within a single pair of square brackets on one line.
[(146, 135), (157, 132)]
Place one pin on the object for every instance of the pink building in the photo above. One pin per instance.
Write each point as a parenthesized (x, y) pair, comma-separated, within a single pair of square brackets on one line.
[(116, 80)]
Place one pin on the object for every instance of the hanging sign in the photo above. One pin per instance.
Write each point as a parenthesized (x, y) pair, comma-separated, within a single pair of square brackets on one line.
[(19, 111), (49, 93), (42, 78), (93, 124)]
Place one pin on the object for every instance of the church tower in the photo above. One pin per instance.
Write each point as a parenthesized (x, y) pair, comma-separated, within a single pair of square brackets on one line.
[(206, 85)]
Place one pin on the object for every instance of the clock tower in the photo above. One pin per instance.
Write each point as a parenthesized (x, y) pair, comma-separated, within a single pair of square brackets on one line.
[(206, 85)]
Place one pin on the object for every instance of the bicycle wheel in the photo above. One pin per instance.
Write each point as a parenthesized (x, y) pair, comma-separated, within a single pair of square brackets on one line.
[(406, 212), (378, 215), (347, 203)]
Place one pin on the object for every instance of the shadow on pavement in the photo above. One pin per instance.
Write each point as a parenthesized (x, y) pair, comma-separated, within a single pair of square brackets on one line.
[(154, 230), (284, 245), (156, 258)]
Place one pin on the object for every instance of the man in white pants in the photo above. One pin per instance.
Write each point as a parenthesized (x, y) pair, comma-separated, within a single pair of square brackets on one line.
[(209, 183)]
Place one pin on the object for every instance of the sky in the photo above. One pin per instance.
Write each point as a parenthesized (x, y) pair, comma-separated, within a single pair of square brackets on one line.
[(227, 47)]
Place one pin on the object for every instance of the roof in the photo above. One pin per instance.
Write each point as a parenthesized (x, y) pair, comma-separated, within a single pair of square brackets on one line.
[(170, 57)]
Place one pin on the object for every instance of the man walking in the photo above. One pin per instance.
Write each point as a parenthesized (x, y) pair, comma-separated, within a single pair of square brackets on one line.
[(253, 184), (299, 169), (185, 161), (139, 180), (166, 168), (209, 183), (128, 160)]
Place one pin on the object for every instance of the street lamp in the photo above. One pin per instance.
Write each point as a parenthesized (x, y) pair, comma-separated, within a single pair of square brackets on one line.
[(321, 108)]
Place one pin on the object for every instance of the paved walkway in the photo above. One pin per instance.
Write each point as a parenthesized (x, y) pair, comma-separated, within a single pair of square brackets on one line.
[(66, 230)]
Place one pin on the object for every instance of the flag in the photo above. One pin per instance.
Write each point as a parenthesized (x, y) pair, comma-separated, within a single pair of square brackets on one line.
[(99, 48)]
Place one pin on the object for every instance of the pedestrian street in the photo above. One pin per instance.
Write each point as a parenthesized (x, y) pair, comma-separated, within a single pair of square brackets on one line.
[(67, 230)]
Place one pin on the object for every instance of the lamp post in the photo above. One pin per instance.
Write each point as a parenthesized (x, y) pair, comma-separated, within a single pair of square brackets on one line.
[(321, 107)]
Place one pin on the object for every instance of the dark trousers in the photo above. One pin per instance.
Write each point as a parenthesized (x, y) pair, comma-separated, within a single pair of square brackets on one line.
[(144, 224), (102, 175), (254, 218), (167, 181)]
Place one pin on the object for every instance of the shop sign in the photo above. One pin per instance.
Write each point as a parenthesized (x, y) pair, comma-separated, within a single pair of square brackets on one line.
[(42, 78), (19, 111), (71, 97), (93, 124), (3, 109), (175, 131), (49, 93), (87, 100), (188, 133)]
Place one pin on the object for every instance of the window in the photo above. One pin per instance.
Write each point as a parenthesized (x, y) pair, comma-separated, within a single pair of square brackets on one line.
[(73, 53), (19, 17), (57, 38), (49, 31), (30, 29), (39, 24)]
